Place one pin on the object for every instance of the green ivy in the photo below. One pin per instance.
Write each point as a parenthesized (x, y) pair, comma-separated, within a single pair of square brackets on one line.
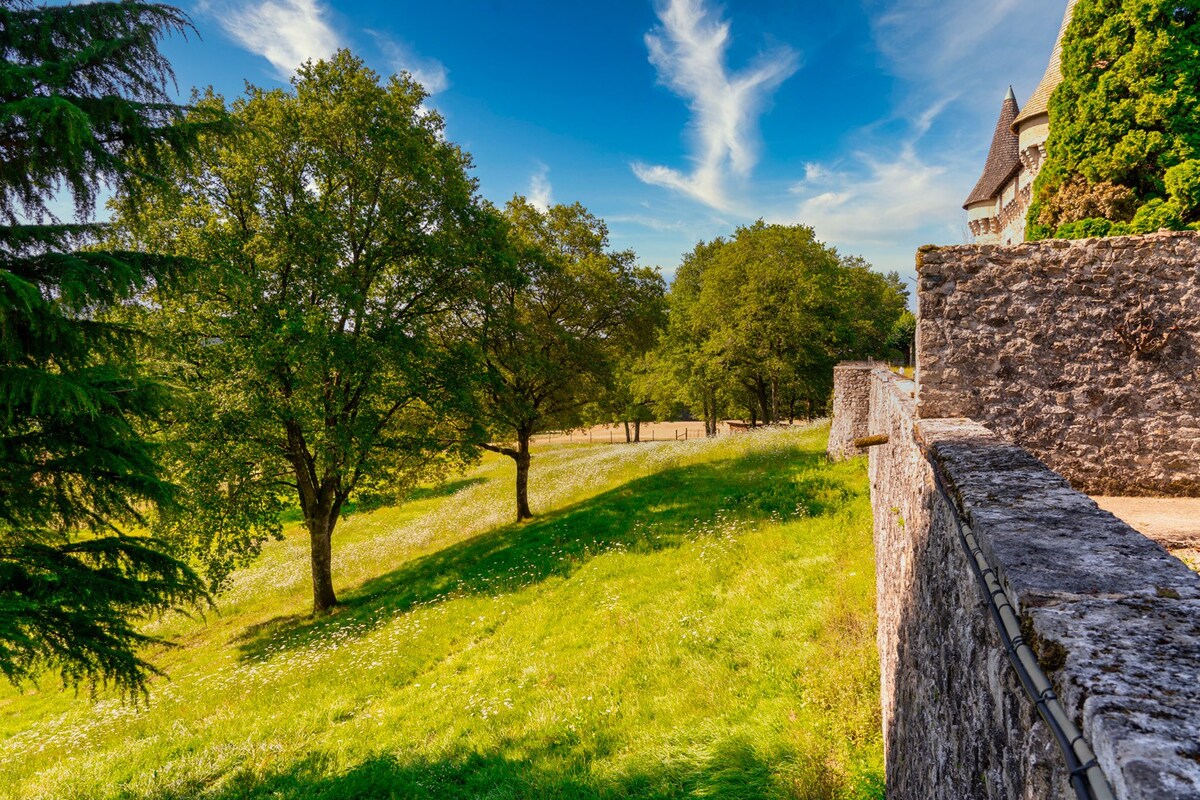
[(1126, 114)]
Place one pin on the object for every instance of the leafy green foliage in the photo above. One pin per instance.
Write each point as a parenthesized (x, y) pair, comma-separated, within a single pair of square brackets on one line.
[(759, 321), (84, 99), (82, 102), (1157, 215), (556, 334), (1085, 228), (1127, 112), (321, 347), (902, 340), (1182, 182), (73, 606)]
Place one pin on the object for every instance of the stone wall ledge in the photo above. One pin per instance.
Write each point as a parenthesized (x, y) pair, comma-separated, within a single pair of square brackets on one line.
[(1114, 618)]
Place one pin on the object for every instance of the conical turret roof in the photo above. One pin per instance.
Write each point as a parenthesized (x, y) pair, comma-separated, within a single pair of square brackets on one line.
[(1039, 103), (1004, 159)]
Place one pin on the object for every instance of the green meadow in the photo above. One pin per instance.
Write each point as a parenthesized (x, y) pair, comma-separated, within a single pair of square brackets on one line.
[(682, 620)]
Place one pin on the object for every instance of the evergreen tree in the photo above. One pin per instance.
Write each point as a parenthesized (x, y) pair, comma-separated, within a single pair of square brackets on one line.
[(82, 101), (1125, 123)]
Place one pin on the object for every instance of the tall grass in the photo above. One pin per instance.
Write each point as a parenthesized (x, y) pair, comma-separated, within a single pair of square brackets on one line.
[(682, 620)]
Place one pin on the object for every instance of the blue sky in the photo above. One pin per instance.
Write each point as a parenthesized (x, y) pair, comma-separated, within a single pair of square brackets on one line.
[(677, 120)]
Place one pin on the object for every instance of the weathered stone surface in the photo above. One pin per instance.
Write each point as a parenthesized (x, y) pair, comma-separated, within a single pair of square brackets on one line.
[(1131, 675), (1112, 616), (1087, 353), (956, 726), (851, 405)]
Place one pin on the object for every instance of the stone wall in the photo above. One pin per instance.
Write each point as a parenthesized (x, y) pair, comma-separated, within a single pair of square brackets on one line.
[(851, 405), (1087, 353), (1114, 619)]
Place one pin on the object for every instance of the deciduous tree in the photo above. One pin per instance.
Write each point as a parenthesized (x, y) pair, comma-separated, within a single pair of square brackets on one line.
[(321, 349), (761, 319), (554, 337)]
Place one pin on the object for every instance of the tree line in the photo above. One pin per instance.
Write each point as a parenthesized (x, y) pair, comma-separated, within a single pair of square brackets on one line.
[(301, 300)]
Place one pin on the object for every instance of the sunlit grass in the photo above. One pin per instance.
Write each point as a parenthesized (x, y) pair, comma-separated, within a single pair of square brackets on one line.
[(682, 620)]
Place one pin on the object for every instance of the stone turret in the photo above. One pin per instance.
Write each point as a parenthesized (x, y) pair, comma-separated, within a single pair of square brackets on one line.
[(997, 207), (1032, 126), (986, 204)]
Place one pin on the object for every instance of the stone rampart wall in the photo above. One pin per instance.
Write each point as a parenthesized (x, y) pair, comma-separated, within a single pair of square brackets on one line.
[(1115, 621), (1087, 353)]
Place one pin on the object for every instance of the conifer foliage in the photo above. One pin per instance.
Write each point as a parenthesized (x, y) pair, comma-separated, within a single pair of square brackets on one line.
[(83, 104)]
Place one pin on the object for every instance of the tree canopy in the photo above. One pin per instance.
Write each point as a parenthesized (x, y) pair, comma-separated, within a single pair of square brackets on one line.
[(758, 322), (323, 348), (83, 103), (555, 334), (1124, 149)]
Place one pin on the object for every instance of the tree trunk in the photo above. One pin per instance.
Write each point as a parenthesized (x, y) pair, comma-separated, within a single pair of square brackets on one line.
[(764, 402), (628, 434), (522, 459), (774, 402), (708, 431), (320, 533), (637, 431)]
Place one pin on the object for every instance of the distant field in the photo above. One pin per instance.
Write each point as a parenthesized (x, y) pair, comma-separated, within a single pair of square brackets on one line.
[(615, 434), (683, 620)]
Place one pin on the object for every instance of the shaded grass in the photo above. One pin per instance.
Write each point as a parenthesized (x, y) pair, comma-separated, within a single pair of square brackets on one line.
[(683, 621)]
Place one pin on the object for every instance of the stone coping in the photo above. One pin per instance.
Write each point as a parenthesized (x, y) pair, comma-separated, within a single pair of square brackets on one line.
[(1114, 618)]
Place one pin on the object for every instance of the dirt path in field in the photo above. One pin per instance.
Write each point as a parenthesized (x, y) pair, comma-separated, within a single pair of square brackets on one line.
[(1172, 522)]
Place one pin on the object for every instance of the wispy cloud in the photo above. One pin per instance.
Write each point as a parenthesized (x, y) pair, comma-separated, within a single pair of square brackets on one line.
[(285, 32), (689, 50), (968, 52), (289, 32), (878, 201), (429, 72), (650, 223), (902, 181), (541, 193)]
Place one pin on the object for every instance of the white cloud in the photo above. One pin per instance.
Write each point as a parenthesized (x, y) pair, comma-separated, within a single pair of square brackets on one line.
[(429, 72), (541, 193), (880, 202), (965, 52), (651, 223), (904, 180), (689, 51), (285, 32)]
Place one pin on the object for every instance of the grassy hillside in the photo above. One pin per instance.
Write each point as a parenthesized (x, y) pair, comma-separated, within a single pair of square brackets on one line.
[(682, 620)]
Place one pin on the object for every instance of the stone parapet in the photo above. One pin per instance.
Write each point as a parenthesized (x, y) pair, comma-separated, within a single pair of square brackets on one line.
[(851, 405), (1112, 616), (1087, 353)]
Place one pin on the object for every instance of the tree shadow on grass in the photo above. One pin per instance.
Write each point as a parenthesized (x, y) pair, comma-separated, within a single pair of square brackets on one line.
[(646, 515), (731, 770)]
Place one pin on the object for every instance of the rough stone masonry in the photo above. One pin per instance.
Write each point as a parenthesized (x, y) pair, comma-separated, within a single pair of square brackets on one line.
[(1087, 353), (1114, 619)]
